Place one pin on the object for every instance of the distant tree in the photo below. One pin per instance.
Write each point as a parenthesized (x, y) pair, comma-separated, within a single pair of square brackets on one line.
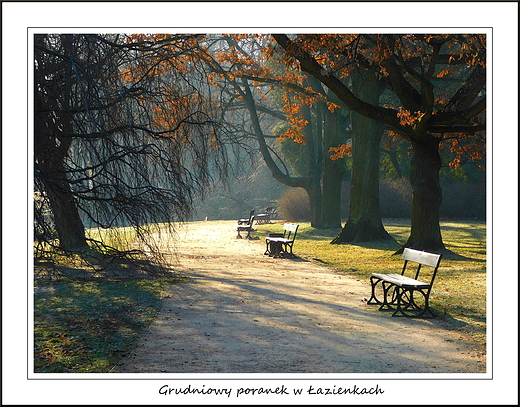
[(425, 114), (287, 107), (125, 132)]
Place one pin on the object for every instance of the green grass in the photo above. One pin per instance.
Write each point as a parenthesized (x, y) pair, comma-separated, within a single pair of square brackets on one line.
[(86, 327), (459, 291)]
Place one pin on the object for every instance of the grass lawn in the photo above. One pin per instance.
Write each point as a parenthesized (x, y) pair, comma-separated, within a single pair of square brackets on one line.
[(86, 327), (459, 291)]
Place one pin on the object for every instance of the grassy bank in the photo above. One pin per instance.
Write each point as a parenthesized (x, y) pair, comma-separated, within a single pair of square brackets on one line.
[(86, 327), (459, 292)]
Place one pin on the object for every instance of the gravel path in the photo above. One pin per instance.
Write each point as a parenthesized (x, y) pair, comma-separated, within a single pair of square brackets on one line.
[(243, 312)]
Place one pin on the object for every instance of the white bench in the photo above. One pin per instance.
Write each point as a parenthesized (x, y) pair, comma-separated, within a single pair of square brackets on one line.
[(281, 244), (263, 218), (246, 225), (406, 296)]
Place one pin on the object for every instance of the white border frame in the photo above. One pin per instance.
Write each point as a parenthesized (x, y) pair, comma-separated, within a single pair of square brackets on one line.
[(500, 387)]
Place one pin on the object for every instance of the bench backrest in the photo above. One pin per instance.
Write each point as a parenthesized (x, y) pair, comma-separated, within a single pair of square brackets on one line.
[(289, 230), (421, 258)]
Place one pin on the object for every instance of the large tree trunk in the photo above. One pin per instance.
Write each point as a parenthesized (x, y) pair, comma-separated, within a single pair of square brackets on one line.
[(313, 140), (68, 224), (50, 151), (69, 227), (364, 221), (427, 195)]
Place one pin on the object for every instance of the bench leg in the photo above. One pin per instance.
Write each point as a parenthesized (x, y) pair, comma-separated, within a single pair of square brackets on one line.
[(286, 250), (267, 251), (390, 296), (373, 298), (388, 301), (401, 305), (239, 235), (409, 306)]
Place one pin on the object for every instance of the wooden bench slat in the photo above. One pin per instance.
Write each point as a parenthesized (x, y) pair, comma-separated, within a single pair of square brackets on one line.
[(279, 239), (400, 280), (417, 256), (291, 227)]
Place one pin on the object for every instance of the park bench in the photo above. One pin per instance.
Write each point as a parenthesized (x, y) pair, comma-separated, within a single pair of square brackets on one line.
[(263, 218), (281, 244), (244, 221), (407, 296), (246, 225)]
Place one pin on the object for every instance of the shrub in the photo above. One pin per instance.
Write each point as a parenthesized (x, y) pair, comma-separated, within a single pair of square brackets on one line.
[(294, 205)]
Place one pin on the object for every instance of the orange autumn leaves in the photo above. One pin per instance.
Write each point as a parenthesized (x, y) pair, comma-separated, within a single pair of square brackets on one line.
[(255, 58), (407, 118), (340, 151), (465, 148)]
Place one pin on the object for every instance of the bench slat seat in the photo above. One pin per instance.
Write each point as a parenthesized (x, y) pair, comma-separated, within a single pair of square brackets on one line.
[(280, 239), (406, 296), (402, 281)]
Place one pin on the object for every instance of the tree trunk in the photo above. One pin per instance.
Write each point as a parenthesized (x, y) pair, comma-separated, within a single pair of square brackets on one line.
[(332, 171), (69, 227), (313, 190), (364, 221), (313, 140), (425, 167), (50, 151)]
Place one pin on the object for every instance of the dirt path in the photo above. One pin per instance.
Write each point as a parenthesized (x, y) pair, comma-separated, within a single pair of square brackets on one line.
[(243, 312)]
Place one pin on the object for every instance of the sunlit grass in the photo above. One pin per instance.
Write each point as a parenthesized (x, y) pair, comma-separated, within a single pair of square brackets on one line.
[(459, 292), (116, 238)]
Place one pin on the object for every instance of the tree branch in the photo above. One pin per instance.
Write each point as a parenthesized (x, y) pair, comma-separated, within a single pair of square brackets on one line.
[(309, 65)]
